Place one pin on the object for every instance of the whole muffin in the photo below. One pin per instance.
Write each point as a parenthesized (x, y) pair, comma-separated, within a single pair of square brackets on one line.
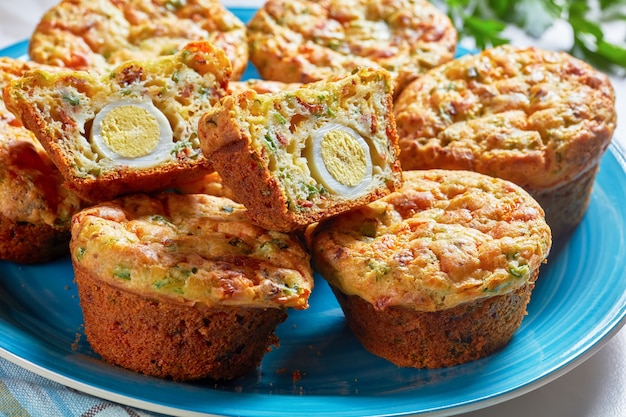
[(540, 119), (134, 129), (35, 207), (184, 286), (101, 34), (296, 156), (439, 272), (309, 40)]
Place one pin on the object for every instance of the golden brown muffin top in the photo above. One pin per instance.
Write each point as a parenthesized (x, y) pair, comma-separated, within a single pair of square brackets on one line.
[(534, 117), (31, 189), (309, 40), (445, 238), (100, 34), (195, 248)]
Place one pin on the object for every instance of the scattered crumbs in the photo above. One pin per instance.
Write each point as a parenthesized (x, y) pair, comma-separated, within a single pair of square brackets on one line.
[(293, 326), (310, 347), (76, 341), (296, 376), (239, 389), (281, 371), (66, 287)]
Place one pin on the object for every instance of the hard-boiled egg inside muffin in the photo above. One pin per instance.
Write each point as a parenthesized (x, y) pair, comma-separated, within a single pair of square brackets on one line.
[(339, 158), (132, 133)]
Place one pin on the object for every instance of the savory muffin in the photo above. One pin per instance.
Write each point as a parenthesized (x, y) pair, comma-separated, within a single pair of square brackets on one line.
[(35, 208), (540, 119), (295, 157), (309, 40), (184, 286), (132, 130), (439, 272), (101, 34)]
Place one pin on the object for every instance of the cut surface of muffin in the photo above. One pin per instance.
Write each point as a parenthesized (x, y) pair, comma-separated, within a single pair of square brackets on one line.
[(294, 157), (131, 130)]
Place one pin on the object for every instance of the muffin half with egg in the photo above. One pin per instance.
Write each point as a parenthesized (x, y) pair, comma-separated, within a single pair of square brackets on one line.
[(295, 157), (133, 129)]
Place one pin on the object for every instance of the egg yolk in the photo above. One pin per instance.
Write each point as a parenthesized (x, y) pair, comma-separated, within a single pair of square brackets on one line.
[(130, 131), (343, 157), (133, 134), (339, 159)]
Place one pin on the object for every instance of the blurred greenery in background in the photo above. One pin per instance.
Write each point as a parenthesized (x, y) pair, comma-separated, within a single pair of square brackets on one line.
[(592, 23)]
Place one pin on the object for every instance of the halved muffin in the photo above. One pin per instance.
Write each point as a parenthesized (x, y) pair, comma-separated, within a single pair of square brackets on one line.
[(297, 156), (131, 130)]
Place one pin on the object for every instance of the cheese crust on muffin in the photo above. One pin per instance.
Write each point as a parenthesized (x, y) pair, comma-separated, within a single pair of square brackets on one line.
[(540, 119), (192, 248), (445, 238), (101, 34), (132, 130), (308, 40), (297, 156)]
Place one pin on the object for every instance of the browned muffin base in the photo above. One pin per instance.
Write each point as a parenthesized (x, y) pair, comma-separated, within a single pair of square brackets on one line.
[(566, 205), (410, 338), (28, 243), (169, 340)]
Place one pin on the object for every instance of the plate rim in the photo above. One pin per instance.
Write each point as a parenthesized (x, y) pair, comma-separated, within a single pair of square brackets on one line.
[(608, 330)]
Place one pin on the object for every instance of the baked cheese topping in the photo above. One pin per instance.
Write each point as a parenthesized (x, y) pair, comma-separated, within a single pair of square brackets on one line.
[(305, 40), (87, 34), (534, 117), (132, 133), (444, 239), (195, 248)]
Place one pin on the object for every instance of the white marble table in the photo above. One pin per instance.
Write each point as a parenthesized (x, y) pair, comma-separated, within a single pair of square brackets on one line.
[(596, 388)]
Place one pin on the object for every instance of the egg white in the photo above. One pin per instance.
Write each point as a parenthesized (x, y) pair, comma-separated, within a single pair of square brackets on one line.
[(160, 153)]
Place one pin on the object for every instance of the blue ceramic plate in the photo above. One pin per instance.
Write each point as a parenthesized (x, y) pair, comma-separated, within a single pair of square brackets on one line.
[(578, 304)]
